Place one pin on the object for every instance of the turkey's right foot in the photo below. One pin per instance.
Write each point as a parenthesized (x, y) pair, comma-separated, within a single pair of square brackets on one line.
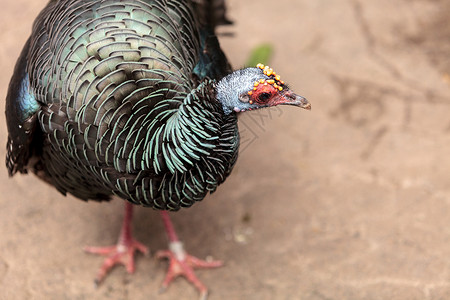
[(183, 264)]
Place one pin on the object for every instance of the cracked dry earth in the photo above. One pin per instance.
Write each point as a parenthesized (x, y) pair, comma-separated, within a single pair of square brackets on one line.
[(348, 201)]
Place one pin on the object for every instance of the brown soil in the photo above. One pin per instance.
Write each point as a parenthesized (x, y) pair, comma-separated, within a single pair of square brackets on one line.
[(348, 201)]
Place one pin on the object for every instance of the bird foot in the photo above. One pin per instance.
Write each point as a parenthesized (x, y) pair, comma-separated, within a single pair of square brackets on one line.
[(122, 253), (182, 264)]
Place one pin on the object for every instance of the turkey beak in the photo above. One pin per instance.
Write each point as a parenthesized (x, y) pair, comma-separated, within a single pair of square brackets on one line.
[(300, 102), (290, 98)]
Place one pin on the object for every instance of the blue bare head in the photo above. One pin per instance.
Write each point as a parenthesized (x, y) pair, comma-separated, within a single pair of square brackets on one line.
[(254, 88)]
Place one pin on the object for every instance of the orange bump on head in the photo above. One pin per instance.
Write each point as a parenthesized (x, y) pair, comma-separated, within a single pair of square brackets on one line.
[(270, 73), (275, 79)]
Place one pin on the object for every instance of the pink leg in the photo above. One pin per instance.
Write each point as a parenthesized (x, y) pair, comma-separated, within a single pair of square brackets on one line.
[(123, 252), (181, 263)]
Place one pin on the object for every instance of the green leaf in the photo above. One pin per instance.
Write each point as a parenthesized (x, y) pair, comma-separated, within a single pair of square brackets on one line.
[(261, 54)]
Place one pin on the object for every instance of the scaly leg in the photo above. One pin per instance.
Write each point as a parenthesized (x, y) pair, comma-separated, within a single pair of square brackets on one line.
[(180, 263), (123, 252)]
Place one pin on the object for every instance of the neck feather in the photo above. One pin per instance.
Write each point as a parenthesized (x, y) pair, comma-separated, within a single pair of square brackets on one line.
[(192, 132)]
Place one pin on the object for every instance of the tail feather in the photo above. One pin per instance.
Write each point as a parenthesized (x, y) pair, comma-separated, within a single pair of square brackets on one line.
[(212, 63), (212, 13)]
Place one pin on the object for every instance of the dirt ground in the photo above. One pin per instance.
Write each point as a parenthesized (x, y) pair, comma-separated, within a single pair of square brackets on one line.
[(348, 201)]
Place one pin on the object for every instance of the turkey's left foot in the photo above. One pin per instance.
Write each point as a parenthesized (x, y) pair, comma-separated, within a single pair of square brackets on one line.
[(122, 253), (183, 264)]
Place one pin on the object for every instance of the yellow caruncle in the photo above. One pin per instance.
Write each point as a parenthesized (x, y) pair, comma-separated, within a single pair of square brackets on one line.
[(276, 81)]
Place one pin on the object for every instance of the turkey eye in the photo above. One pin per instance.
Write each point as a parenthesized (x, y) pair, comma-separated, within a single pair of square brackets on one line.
[(263, 97), (245, 97)]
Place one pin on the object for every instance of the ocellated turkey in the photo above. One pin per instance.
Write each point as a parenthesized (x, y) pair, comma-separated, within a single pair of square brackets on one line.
[(133, 98)]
